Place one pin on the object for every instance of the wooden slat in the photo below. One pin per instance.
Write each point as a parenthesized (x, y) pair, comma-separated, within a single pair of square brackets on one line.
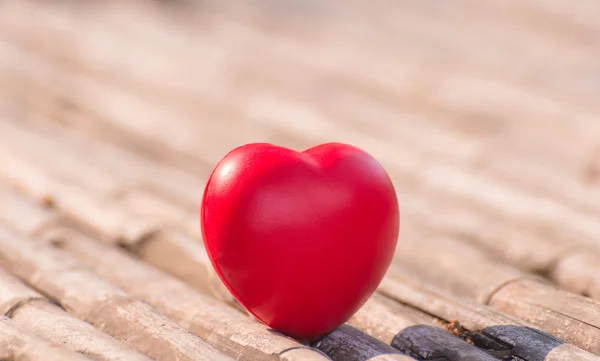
[(22, 214), (483, 284), (276, 43), (448, 308), (428, 20), (578, 272), (538, 252), (473, 321), (230, 330), (568, 352), (380, 317), (173, 249), (569, 316), (466, 271), (445, 346), (472, 285), (562, 255), (346, 343), (22, 168), (383, 318), (182, 255), (36, 314), (17, 345), (582, 226), (99, 303), (420, 23), (454, 264), (124, 218), (130, 170), (551, 247), (436, 110), (226, 328)]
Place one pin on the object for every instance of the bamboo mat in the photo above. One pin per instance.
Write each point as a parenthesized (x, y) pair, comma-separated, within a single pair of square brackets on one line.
[(485, 114)]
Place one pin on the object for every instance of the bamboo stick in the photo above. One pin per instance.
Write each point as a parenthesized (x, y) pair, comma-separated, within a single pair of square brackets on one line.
[(501, 335), (564, 270), (479, 324), (584, 131), (420, 339), (409, 290), (471, 188), (346, 343), (371, 58), (536, 257), (571, 264), (479, 289), (230, 331), (483, 283), (38, 315), (552, 248), (37, 177), (516, 243), (529, 244), (583, 226), (536, 253), (578, 272), (21, 213), (99, 303), (380, 317), (17, 345), (384, 318), (465, 271), (172, 249), (131, 170), (533, 131)]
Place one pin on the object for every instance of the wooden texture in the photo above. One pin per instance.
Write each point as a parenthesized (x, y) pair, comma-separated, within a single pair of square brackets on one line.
[(224, 327), (492, 182), (568, 352), (471, 320), (568, 316), (227, 329), (209, 318), (485, 115), (17, 345), (578, 272), (349, 344), (383, 318), (143, 222), (100, 303), (407, 290), (36, 314), (419, 340), (380, 317), (468, 272)]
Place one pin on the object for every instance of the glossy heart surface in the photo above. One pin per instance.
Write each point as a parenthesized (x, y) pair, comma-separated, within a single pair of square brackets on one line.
[(301, 239)]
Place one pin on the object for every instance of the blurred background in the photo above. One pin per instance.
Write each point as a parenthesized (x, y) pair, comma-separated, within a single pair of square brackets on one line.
[(483, 112), (461, 82)]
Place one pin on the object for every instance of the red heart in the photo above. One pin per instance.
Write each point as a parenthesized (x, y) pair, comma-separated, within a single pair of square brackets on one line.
[(301, 239)]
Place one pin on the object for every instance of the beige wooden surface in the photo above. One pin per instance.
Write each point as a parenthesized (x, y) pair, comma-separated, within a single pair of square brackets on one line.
[(112, 115)]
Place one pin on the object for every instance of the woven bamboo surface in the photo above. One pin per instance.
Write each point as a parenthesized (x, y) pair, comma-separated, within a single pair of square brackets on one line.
[(485, 114)]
